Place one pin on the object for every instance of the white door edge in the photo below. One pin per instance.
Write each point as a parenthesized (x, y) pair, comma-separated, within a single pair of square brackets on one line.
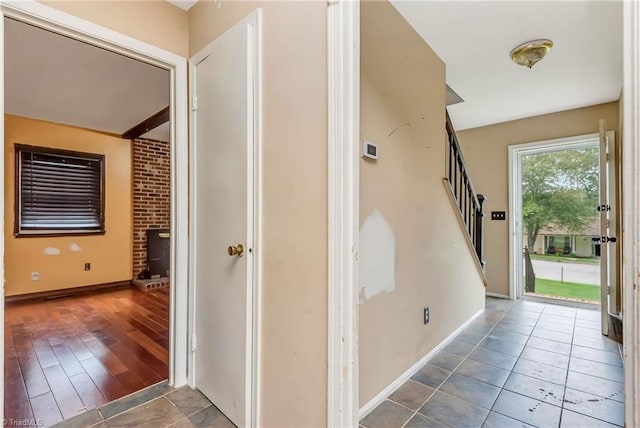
[(615, 274), (603, 193), (343, 61), (253, 23), (43, 16), (516, 152)]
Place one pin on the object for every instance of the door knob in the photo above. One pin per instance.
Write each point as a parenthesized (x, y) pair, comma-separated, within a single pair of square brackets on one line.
[(236, 250)]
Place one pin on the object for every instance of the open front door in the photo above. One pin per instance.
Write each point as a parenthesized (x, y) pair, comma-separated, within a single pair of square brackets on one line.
[(607, 239), (224, 162)]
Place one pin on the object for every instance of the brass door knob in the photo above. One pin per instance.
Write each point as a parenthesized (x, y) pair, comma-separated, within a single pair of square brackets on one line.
[(236, 250)]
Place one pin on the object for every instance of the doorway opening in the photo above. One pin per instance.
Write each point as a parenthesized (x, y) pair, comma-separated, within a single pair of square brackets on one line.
[(559, 220), (86, 324), (78, 333), (563, 200)]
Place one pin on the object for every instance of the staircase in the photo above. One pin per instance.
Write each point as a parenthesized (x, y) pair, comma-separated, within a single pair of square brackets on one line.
[(469, 204)]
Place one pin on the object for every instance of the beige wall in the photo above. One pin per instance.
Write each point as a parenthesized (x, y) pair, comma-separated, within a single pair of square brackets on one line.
[(403, 89), (156, 22), (109, 254), (294, 277), (485, 152), (294, 306)]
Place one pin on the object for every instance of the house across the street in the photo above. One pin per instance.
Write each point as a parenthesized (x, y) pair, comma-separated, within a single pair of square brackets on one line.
[(554, 239)]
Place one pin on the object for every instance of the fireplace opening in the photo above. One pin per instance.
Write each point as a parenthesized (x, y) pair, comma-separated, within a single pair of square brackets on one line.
[(158, 251), (156, 275)]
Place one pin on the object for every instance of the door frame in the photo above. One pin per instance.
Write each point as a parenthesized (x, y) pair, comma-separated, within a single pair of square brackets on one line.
[(516, 152), (46, 17), (343, 79), (630, 173), (253, 21)]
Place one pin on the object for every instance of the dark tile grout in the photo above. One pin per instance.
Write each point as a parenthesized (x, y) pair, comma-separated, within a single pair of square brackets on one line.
[(566, 379), (562, 408), (518, 357), (187, 416), (164, 395), (456, 367)]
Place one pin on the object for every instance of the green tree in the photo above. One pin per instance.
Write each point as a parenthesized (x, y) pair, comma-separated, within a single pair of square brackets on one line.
[(559, 188)]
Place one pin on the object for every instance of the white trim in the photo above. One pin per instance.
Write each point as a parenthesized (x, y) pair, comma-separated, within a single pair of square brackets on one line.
[(630, 220), (514, 183), (615, 267), (558, 144), (193, 202), (52, 19), (179, 227), (253, 23), (36, 13), (498, 295), (343, 44), (2, 217), (389, 389), (257, 233), (516, 152), (603, 192)]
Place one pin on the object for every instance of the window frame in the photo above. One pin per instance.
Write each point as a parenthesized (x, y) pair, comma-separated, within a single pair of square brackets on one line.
[(39, 233)]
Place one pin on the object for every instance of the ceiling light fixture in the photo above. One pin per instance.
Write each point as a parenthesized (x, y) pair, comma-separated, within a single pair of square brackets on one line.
[(529, 53)]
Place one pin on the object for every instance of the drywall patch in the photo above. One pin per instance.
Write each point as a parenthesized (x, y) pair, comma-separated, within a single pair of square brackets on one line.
[(75, 248), (51, 251), (377, 257)]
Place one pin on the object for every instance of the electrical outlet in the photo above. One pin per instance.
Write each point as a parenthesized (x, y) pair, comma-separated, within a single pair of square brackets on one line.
[(426, 315), (35, 276), (87, 266)]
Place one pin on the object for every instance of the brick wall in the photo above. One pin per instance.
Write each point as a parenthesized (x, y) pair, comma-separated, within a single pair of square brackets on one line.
[(151, 195)]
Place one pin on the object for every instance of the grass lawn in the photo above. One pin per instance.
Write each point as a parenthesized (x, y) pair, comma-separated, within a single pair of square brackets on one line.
[(548, 287), (565, 259)]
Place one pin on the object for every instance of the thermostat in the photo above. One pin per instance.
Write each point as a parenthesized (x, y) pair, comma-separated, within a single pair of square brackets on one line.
[(369, 150)]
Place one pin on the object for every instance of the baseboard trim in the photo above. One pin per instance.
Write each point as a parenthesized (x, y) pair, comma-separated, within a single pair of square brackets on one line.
[(552, 301), (56, 294), (389, 389), (498, 295)]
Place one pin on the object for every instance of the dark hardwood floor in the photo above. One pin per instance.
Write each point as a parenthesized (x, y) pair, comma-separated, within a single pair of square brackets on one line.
[(68, 355)]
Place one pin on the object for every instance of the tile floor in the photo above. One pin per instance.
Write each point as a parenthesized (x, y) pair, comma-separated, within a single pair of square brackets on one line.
[(517, 365), (158, 406)]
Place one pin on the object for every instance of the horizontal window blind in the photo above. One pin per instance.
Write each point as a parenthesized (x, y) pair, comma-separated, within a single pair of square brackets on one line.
[(60, 191)]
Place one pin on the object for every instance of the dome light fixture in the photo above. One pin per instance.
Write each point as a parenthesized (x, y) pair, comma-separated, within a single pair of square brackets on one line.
[(529, 53)]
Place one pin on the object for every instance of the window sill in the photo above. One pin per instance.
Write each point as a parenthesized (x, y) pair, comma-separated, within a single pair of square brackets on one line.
[(57, 233)]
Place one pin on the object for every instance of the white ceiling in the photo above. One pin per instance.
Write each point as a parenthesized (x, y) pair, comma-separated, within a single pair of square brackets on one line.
[(474, 39), (59, 79), (160, 133)]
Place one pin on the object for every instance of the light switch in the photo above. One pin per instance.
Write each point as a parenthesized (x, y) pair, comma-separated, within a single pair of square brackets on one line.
[(498, 215)]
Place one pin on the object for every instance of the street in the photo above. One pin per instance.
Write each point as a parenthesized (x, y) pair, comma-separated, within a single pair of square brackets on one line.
[(568, 272)]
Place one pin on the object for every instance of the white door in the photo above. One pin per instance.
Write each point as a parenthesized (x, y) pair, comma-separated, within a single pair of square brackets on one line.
[(607, 227), (224, 160)]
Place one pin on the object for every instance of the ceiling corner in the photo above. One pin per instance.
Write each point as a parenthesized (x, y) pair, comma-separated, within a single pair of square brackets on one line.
[(183, 4)]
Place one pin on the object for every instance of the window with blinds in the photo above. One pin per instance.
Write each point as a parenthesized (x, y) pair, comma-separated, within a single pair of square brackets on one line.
[(58, 192)]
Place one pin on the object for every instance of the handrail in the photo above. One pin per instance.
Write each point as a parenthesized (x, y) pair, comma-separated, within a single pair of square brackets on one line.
[(468, 201), (453, 144)]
